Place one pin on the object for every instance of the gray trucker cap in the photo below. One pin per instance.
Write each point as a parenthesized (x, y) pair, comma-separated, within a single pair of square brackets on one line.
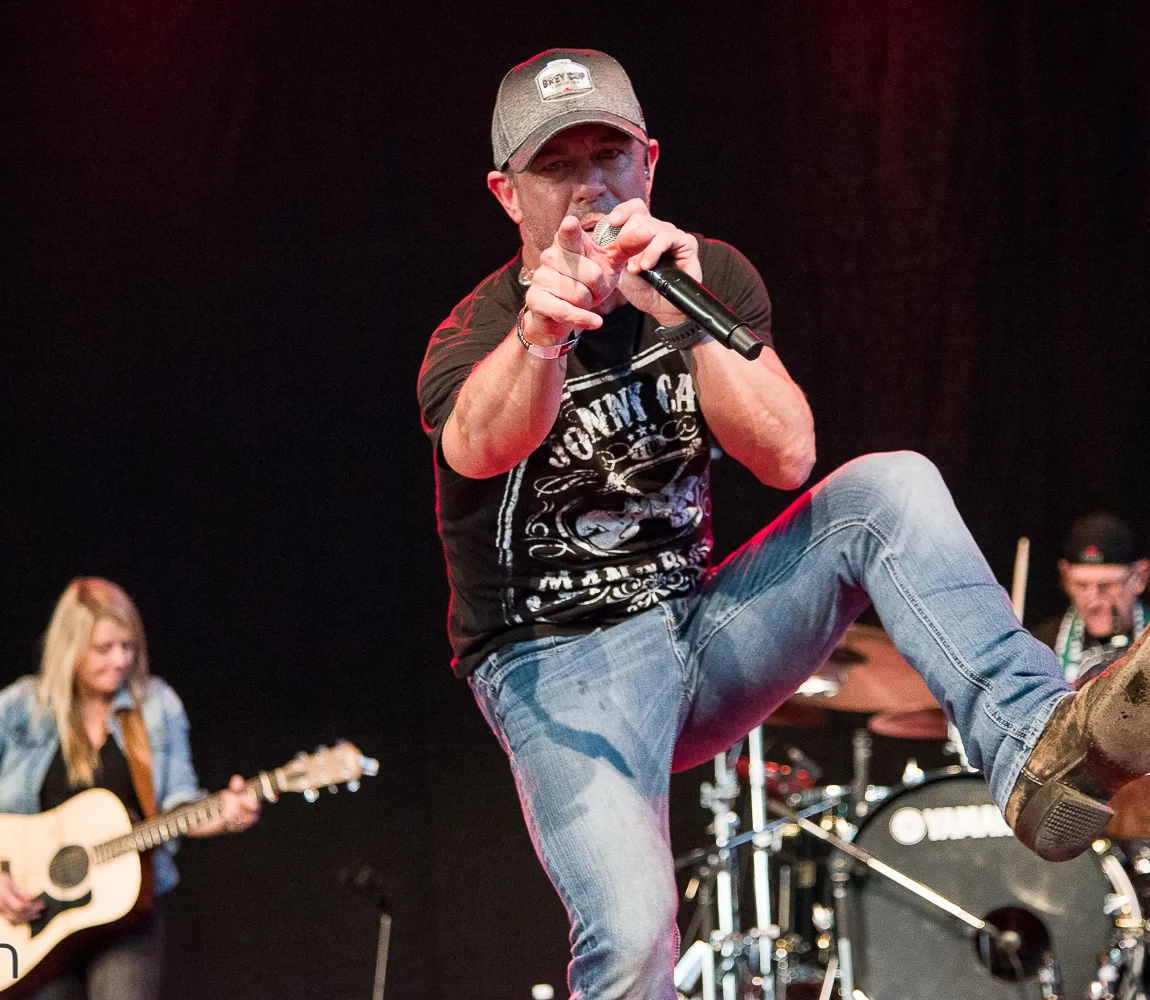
[(555, 90)]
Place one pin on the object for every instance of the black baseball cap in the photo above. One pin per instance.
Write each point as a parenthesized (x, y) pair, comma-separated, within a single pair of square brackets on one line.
[(1100, 539)]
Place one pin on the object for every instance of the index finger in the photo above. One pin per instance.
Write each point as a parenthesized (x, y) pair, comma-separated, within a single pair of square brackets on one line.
[(569, 237)]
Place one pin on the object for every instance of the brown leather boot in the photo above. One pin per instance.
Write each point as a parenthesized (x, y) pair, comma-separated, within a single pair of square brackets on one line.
[(1097, 740)]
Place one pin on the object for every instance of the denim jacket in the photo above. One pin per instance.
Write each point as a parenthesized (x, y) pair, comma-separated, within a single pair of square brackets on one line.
[(29, 740)]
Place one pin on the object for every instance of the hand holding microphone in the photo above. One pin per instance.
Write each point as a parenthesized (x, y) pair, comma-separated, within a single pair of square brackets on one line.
[(666, 263)]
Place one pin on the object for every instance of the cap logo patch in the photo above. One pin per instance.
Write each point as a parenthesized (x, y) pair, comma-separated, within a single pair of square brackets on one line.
[(562, 79), (1090, 554)]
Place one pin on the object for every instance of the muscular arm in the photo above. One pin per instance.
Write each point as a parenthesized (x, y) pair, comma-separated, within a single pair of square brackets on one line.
[(754, 409), (757, 413), (509, 401), (505, 409)]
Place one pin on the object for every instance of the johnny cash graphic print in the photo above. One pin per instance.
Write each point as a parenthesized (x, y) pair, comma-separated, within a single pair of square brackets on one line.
[(612, 513)]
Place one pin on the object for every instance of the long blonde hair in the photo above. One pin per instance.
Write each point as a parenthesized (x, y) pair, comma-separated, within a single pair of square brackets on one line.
[(83, 603)]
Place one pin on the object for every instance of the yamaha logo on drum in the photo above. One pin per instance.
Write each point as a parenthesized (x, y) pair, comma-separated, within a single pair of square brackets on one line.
[(910, 826)]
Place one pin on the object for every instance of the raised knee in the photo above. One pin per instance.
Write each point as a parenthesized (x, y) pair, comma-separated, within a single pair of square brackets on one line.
[(895, 473), (897, 465), (902, 483)]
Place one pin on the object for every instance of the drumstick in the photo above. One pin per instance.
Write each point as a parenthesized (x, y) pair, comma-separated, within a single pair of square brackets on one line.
[(1021, 569)]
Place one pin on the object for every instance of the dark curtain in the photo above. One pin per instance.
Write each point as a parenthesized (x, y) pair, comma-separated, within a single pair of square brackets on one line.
[(226, 232)]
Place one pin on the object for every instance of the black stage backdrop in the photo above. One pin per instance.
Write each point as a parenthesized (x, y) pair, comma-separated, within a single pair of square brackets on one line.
[(228, 229)]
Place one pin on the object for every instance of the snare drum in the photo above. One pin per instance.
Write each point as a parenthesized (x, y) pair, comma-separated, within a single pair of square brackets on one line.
[(946, 832)]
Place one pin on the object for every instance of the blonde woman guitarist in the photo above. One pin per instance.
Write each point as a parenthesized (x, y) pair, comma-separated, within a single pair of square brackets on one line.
[(95, 717)]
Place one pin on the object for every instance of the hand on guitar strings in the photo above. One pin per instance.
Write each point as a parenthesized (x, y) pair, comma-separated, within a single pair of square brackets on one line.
[(241, 810), (241, 807)]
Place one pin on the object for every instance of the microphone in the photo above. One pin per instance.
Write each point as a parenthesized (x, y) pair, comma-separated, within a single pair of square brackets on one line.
[(691, 299), (366, 882)]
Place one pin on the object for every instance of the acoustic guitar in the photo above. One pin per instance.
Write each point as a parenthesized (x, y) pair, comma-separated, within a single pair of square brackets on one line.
[(82, 859)]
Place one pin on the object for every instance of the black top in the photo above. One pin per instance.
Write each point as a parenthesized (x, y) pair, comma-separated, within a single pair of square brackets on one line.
[(112, 773), (612, 513)]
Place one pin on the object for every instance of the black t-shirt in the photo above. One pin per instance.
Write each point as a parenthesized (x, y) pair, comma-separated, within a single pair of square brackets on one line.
[(111, 773), (612, 513)]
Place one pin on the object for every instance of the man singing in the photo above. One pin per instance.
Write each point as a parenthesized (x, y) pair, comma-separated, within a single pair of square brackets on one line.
[(572, 412)]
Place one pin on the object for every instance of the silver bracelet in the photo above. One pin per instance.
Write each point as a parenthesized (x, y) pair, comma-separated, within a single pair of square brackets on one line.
[(552, 351), (682, 336)]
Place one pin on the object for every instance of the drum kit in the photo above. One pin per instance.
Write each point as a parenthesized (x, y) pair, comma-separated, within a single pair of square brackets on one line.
[(913, 892)]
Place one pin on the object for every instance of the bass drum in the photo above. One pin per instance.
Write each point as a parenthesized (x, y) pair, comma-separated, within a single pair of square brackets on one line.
[(946, 832)]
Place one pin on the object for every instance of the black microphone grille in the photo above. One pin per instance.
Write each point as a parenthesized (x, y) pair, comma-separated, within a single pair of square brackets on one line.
[(605, 233)]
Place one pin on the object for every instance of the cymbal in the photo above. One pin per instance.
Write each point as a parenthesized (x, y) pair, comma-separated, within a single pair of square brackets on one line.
[(865, 673), (924, 724), (1131, 811)]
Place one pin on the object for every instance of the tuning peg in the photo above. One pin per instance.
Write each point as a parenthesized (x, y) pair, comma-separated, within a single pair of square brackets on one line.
[(353, 785), (333, 788), (369, 766), (310, 794)]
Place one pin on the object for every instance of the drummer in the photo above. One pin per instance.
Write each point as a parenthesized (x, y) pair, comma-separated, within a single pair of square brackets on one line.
[(1104, 573)]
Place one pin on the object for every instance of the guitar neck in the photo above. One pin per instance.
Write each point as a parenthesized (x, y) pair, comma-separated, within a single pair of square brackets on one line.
[(176, 822)]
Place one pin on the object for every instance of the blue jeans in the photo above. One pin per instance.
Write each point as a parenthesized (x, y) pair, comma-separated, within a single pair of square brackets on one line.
[(594, 724)]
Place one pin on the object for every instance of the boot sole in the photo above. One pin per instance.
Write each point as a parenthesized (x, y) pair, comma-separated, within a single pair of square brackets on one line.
[(1059, 822)]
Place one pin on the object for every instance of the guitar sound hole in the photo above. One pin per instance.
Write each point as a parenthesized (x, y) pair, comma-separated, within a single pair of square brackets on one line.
[(69, 867)]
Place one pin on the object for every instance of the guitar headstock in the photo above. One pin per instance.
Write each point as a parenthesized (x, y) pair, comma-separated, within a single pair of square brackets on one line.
[(342, 764)]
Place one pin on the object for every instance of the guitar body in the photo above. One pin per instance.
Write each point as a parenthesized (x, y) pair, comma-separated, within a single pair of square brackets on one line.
[(53, 856), (48, 855)]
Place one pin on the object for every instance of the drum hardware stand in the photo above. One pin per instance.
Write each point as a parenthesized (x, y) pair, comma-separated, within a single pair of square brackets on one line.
[(912, 774), (755, 945), (365, 881), (776, 826), (953, 746), (1126, 955), (760, 860), (861, 746), (720, 798), (840, 872), (1050, 977)]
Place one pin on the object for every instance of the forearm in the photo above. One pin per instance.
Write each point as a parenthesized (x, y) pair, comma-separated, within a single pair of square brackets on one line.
[(505, 408), (757, 413)]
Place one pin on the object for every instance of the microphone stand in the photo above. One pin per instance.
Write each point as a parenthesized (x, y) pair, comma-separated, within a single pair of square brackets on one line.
[(367, 883)]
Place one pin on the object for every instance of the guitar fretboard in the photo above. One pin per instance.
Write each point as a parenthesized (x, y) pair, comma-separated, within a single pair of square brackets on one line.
[(179, 821)]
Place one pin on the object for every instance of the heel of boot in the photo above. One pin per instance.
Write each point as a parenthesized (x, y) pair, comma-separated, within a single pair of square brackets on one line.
[(1060, 822)]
